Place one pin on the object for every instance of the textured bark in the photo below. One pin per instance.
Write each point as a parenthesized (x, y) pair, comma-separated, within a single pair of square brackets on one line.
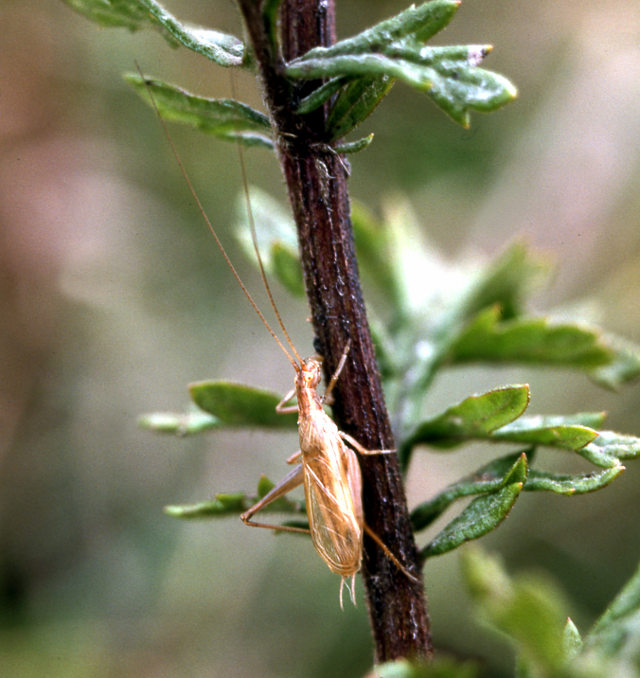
[(316, 180)]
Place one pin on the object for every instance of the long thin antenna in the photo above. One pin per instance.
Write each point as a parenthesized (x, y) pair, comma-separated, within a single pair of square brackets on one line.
[(254, 237), (212, 230)]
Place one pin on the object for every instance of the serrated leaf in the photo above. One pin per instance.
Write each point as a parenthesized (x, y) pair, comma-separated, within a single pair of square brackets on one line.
[(482, 516), (356, 101), (488, 478), (225, 118), (529, 340), (179, 423), (239, 405), (222, 48), (477, 416)]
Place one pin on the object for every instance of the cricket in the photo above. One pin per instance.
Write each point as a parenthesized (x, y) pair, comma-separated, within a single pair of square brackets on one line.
[(326, 462)]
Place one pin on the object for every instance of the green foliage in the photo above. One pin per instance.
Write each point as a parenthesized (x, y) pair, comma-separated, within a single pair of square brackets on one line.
[(483, 514), (531, 613), (233, 504), (395, 49), (221, 48), (441, 667), (360, 70), (225, 118), (455, 316), (238, 405), (493, 297)]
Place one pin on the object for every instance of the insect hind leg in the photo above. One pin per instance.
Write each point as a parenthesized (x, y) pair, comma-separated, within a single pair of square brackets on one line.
[(292, 480), (389, 554), (361, 449)]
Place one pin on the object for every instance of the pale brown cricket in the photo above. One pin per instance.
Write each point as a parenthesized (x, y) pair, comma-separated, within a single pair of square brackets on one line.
[(326, 466)]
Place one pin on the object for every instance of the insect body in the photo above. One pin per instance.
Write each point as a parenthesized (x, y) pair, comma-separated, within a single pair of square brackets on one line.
[(331, 476), (326, 463), (332, 479)]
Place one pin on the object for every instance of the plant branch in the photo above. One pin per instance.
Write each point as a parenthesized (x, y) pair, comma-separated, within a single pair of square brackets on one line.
[(316, 180)]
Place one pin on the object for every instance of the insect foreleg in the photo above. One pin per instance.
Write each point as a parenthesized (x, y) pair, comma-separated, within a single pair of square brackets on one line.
[(294, 458), (292, 480), (327, 397), (283, 408)]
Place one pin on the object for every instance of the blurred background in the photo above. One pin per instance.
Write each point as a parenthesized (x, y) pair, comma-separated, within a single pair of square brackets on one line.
[(114, 298)]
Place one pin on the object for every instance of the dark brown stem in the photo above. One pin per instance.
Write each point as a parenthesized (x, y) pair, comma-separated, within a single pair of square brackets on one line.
[(317, 184)]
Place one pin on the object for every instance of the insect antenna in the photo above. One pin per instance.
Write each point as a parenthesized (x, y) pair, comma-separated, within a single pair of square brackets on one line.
[(254, 239), (213, 232)]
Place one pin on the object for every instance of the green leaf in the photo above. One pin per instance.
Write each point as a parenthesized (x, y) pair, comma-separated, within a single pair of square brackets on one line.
[(395, 49), (571, 639), (456, 87), (609, 447), (505, 283), (240, 405), (477, 416), (624, 365), (180, 424), (276, 235), (222, 48), (482, 515), (568, 433), (372, 246), (491, 477), (531, 340), (529, 610), (569, 485), (220, 505), (356, 101), (354, 146), (488, 478), (112, 13), (440, 667), (420, 23), (319, 95), (617, 633), (285, 264), (225, 118), (235, 503)]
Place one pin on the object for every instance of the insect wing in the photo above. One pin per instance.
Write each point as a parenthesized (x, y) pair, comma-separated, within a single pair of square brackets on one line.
[(333, 489)]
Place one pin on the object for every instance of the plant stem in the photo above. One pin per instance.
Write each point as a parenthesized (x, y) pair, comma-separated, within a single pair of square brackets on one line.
[(316, 179)]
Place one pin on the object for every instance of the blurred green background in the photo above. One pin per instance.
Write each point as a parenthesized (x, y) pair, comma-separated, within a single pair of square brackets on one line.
[(113, 298)]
